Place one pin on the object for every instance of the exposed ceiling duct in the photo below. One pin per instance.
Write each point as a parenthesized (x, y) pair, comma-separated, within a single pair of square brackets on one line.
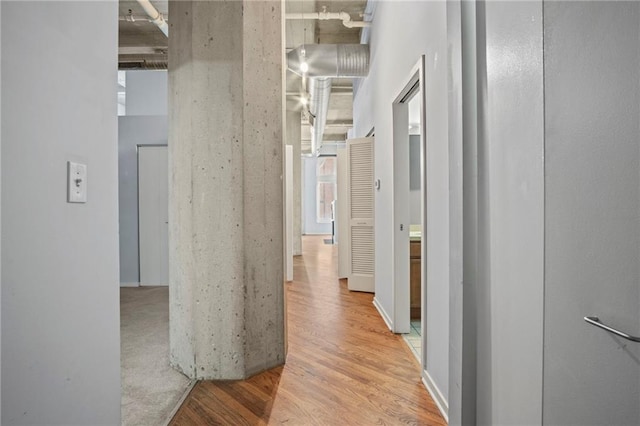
[(330, 60), (320, 91), (320, 63)]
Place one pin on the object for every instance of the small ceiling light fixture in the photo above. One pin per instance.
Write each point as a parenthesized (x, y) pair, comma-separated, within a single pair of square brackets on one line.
[(304, 67)]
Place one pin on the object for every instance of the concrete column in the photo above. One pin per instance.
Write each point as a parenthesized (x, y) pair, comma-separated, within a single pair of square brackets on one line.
[(294, 138), (226, 197)]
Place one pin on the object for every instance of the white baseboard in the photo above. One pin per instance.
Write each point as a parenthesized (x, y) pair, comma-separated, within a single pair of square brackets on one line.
[(383, 314), (437, 396), (129, 284)]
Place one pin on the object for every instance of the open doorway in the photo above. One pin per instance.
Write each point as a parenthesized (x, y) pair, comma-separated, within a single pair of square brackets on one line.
[(151, 389), (409, 187)]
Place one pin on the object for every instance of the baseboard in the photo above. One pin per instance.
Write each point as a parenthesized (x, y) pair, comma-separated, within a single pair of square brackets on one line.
[(130, 284), (437, 396), (383, 314)]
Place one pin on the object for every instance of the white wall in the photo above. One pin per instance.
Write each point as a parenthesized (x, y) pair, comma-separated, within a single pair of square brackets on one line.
[(401, 32), (133, 131), (60, 304), (310, 224)]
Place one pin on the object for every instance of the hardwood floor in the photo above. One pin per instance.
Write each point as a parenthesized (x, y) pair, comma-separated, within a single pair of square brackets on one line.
[(344, 366)]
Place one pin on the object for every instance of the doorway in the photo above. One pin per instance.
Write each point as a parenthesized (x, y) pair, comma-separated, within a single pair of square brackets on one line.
[(409, 212)]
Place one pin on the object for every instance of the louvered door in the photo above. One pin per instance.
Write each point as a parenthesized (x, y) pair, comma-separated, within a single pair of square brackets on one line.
[(360, 157)]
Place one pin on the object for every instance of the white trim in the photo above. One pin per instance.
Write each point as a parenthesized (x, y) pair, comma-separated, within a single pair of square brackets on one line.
[(135, 284), (383, 314), (437, 396), (414, 85)]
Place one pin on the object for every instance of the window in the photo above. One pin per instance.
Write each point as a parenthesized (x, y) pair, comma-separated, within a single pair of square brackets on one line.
[(326, 188)]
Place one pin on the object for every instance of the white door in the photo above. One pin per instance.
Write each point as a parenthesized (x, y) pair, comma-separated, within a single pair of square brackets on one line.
[(342, 214), (153, 214), (361, 237), (592, 213)]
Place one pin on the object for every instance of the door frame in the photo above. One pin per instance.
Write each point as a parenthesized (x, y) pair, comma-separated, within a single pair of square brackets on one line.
[(414, 86)]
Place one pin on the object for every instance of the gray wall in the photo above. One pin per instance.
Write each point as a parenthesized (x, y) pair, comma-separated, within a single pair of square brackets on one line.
[(419, 28), (510, 213), (592, 164), (461, 358), (145, 123), (0, 216), (133, 131), (147, 92), (310, 224), (60, 316)]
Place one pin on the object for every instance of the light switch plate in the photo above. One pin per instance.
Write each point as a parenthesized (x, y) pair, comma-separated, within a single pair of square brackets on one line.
[(76, 182)]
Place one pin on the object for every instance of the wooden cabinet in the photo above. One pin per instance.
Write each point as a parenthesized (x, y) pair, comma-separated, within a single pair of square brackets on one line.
[(415, 294)]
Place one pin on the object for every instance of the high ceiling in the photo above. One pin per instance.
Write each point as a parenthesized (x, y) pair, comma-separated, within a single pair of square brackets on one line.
[(143, 45)]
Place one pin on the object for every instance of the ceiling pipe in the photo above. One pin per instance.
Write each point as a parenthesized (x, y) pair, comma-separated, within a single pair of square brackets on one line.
[(322, 62), (155, 16), (326, 16), (133, 18), (320, 91)]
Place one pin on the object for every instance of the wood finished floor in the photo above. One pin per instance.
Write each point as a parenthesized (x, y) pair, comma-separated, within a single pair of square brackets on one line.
[(344, 366)]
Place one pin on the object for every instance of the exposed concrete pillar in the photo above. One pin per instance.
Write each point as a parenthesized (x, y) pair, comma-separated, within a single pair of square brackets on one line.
[(294, 138), (226, 197)]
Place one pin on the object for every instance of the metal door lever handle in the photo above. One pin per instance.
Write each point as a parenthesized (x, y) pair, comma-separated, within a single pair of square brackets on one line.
[(596, 321)]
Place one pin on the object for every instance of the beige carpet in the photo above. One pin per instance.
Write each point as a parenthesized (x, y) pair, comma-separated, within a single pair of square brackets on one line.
[(150, 387)]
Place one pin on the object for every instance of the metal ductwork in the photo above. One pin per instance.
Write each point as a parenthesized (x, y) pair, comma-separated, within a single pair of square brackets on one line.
[(320, 91), (330, 60), (320, 63)]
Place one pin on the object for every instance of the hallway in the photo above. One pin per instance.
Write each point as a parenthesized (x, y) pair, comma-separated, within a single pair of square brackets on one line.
[(343, 366)]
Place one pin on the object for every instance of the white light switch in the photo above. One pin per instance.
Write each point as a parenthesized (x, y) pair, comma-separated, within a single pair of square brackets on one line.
[(77, 182)]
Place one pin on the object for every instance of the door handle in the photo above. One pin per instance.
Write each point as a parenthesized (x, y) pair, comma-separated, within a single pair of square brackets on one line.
[(596, 322)]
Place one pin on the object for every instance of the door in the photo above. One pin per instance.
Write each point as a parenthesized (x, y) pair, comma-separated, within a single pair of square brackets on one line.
[(342, 217), (361, 236), (153, 215), (592, 213)]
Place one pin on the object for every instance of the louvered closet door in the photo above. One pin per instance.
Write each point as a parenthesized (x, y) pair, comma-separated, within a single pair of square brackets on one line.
[(360, 154)]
